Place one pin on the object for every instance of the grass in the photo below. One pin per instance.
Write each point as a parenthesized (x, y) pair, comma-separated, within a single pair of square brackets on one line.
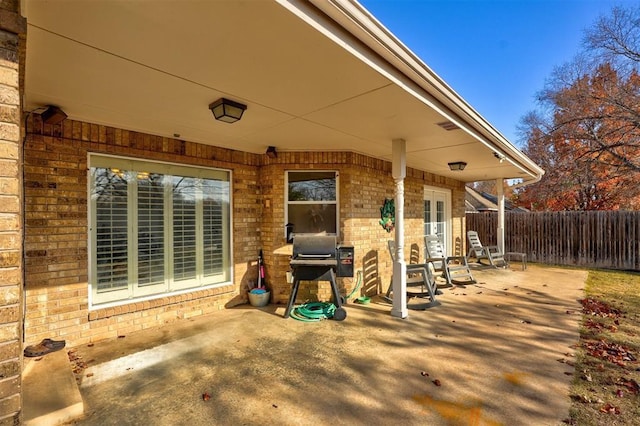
[(604, 390)]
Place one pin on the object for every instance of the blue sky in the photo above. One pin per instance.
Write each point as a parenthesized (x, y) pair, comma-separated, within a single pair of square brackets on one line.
[(496, 54)]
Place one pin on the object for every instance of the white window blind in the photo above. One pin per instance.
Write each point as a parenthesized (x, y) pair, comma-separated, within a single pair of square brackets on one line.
[(151, 238), (156, 228)]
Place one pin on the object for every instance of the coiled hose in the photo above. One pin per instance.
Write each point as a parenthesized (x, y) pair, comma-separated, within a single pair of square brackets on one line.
[(318, 311)]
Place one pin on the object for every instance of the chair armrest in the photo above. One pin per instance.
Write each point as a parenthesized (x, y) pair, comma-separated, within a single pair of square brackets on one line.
[(416, 266), (456, 259)]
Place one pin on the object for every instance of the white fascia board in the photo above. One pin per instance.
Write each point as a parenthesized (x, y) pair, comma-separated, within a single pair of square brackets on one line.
[(359, 32)]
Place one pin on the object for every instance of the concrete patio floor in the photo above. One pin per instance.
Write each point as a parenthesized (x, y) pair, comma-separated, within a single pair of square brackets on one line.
[(492, 347)]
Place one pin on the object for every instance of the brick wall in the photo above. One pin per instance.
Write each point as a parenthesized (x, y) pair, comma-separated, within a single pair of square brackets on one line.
[(12, 29), (56, 230), (364, 184), (56, 226)]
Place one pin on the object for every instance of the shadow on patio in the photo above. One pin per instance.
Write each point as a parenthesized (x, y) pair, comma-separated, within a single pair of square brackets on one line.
[(492, 348)]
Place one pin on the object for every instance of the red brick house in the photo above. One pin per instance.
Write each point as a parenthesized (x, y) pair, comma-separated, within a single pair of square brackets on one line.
[(129, 205)]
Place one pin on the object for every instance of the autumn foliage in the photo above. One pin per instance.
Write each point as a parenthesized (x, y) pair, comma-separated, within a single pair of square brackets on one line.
[(587, 136)]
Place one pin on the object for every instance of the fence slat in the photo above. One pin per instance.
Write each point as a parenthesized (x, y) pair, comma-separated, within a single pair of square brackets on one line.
[(602, 239)]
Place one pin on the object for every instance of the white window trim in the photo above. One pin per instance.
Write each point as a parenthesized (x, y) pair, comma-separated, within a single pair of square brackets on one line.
[(286, 196), (168, 167), (449, 213)]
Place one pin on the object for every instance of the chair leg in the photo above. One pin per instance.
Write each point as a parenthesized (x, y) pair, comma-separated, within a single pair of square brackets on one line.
[(387, 295)]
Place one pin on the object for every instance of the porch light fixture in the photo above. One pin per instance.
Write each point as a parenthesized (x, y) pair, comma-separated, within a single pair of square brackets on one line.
[(271, 152), (53, 115), (226, 110), (457, 166)]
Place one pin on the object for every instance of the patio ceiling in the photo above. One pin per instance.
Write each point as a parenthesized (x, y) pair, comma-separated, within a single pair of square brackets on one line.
[(315, 78)]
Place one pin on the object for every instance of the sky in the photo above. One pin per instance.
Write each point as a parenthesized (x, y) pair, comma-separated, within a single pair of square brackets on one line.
[(496, 54)]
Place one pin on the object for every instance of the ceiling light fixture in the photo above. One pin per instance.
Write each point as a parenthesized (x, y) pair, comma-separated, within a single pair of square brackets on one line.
[(457, 165), (53, 115), (226, 110)]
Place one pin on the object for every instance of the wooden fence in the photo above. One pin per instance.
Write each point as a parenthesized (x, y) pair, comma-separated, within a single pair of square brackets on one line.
[(599, 239)]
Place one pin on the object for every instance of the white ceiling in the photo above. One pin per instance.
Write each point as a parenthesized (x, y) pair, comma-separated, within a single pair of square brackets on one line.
[(155, 66)]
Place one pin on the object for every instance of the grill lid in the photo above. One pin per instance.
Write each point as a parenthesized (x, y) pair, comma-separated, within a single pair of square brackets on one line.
[(314, 246)]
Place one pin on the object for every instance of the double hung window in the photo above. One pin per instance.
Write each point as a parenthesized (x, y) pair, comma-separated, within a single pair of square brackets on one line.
[(312, 201)]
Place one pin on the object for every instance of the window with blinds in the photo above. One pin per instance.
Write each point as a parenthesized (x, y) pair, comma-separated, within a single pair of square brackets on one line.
[(156, 228)]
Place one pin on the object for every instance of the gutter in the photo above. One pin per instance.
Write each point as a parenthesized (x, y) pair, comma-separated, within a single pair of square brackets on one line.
[(528, 182), (406, 69)]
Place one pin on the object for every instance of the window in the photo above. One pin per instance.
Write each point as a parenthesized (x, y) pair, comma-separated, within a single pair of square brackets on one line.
[(312, 203), (156, 228)]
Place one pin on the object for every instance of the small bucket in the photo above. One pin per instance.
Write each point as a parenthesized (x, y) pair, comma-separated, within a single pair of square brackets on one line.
[(259, 300)]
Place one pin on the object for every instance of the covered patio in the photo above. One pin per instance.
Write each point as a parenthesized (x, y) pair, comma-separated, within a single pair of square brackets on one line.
[(497, 352), (131, 206)]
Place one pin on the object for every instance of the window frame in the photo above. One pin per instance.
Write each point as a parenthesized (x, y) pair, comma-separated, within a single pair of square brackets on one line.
[(133, 292), (335, 202), (431, 193)]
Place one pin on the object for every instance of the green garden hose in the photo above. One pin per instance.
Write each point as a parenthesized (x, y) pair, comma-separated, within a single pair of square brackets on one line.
[(358, 283), (318, 311)]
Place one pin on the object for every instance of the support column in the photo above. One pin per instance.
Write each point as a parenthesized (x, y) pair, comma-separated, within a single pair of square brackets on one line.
[(12, 26), (399, 172), (500, 236)]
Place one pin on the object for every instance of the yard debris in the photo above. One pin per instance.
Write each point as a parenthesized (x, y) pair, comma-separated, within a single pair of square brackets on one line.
[(206, 396), (424, 374), (591, 306), (609, 409), (611, 352), (598, 326), (630, 384), (78, 365), (565, 361), (437, 382), (585, 399)]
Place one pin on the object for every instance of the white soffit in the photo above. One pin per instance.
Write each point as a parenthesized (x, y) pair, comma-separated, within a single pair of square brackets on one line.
[(310, 85)]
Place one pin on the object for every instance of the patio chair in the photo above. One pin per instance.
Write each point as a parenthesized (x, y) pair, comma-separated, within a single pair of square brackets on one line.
[(480, 252), (454, 269), (421, 284)]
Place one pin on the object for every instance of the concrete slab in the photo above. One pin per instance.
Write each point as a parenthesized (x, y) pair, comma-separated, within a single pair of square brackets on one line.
[(50, 392), (487, 356)]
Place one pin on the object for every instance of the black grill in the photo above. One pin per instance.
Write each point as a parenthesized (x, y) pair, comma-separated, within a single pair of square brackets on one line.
[(318, 258)]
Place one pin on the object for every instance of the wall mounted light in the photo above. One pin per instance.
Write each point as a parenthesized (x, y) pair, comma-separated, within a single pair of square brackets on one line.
[(226, 110), (53, 115), (457, 166), (271, 152)]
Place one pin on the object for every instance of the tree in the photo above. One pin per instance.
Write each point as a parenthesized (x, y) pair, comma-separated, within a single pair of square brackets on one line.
[(587, 133)]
